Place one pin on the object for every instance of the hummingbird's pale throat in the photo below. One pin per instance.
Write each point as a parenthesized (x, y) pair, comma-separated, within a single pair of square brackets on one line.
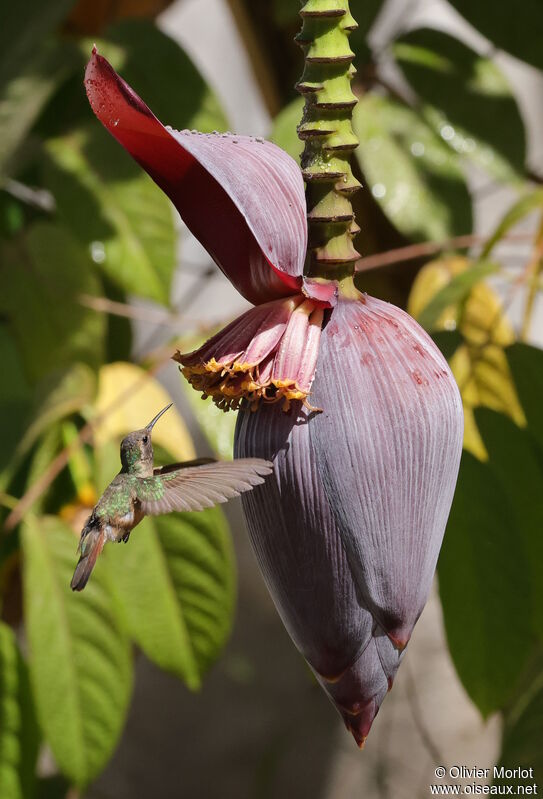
[(137, 449)]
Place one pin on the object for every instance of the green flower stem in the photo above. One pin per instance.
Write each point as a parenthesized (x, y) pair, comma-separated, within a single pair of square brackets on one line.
[(327, 132)]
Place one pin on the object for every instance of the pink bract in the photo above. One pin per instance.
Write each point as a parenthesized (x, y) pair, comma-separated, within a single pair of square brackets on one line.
[(269, 354)]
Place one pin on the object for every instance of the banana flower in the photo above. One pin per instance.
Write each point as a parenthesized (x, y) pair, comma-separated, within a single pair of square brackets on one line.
[(348, 396)]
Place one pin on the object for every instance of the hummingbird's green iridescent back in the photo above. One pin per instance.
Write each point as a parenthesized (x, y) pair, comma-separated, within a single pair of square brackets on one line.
[(118, 498)]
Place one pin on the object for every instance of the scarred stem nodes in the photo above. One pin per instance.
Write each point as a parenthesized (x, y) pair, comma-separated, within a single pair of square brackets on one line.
[(329, 140)]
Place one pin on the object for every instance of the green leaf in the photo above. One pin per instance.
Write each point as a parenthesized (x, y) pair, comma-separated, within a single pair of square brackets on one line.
[(119, 328), (44, 452), (522, 735), (15, 399), (55, 787), (285, 12), (106, 464), (484, 589), (25, 95), (520, 209), (101, 193), (365, 13), (163, 75), (448, 341), (80, 660), (19, 736), (217, 426), (414, 176), (515, 27), (24, 27), (455, 292), (467, 98), (515, 463), (59, 395), (11, 215), (112, 206), (43, 273), (176, 580), (283, 132), (526, 364)]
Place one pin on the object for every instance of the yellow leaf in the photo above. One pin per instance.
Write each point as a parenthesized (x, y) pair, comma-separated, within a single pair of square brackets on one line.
[(479, 364), (135, 398), (432, 278)]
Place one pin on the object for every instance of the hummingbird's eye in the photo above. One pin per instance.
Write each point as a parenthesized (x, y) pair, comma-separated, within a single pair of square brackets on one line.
[(145, 439)]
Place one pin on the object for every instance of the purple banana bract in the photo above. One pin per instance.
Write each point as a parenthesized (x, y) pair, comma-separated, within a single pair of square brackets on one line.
[(346, 394), (349, 533)]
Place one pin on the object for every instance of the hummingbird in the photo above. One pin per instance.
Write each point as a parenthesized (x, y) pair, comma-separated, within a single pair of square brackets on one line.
[(141, 490)]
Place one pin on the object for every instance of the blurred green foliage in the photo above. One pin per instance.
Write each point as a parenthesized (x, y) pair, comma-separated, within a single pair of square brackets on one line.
[(517, 28), (176, 585), (416, 178), (18, 726), (81, 223), (522, 726), (458, 87), (486, 605), (81, 669)]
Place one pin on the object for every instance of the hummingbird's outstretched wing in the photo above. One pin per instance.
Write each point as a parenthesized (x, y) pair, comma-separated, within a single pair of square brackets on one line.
[(174, 467), (197, 487)]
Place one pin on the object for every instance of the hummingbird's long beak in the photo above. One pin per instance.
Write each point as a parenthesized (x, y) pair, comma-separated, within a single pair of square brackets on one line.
[(157, 417)]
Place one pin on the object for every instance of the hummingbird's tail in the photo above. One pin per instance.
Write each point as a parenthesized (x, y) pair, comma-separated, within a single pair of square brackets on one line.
[(90, 545)]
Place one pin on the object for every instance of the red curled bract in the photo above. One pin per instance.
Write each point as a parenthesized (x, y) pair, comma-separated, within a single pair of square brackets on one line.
[(242, 197)]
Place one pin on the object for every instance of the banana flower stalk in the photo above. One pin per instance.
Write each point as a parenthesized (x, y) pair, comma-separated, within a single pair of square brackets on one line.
[(346, 394)]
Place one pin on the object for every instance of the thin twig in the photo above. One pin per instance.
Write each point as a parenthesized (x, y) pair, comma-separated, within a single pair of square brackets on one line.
[(153, 315), (189, 296), (412, 698), (37, 198), (412, 251), (533, 269)]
